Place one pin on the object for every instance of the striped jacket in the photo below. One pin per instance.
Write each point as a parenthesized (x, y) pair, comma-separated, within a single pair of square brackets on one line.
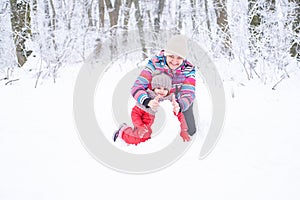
[(183, 81)]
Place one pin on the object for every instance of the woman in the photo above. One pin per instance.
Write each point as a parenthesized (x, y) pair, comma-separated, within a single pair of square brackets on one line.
[(172, 61)]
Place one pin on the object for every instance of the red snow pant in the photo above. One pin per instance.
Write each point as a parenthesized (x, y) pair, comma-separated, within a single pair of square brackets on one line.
[(142, 122)]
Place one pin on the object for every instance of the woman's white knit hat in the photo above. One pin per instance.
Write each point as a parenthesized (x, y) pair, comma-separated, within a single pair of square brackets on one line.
[(177, 45)]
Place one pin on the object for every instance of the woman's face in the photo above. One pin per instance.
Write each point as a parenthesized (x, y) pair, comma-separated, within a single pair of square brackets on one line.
[(174, 61)]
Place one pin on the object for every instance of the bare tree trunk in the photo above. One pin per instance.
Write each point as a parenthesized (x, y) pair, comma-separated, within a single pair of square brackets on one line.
[(255, 19), (47, 12), (140, 23), (207, 18), (128, 4), (222, 21), (20, 22), (161, 4), (179, 17), (193, 13), (254, 23), (113, 11), (34, 6), (53, 19), (88, 5), (149, 18), (71, 14), (101, 13), (127, 13), (256, 33), (50, 39), (295, 48), (110, 11)]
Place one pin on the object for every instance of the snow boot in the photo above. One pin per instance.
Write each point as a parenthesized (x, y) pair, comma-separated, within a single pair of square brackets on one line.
[(117, 133)]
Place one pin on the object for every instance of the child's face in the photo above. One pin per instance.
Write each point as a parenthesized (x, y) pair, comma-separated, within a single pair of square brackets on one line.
[(161, 91)]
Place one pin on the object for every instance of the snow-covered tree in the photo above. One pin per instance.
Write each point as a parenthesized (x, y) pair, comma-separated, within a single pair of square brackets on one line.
[(262, 34)]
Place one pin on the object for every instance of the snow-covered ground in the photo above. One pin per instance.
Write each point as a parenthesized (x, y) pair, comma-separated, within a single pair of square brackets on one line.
[(257, 156)]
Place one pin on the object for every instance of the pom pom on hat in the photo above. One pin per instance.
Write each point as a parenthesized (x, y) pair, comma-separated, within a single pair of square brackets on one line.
[(160, 79), (177, 45)]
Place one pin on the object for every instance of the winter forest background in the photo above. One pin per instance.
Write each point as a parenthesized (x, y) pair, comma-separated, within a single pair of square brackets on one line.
[(261, 35), (255, 46)]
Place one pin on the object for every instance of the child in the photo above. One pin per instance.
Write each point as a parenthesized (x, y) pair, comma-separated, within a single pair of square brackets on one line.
[(143, 117)]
